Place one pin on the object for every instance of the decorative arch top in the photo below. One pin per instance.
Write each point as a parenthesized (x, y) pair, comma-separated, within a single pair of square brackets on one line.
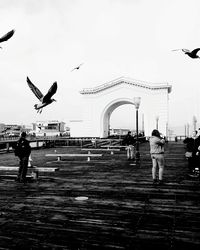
[(129, 81)]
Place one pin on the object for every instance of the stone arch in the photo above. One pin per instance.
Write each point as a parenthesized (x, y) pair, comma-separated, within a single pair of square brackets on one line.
[(107, 111), (99, 102)]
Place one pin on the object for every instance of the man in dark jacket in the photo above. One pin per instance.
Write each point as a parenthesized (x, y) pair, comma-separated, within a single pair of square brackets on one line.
[(22, 150), (192, 144), (129, 141)]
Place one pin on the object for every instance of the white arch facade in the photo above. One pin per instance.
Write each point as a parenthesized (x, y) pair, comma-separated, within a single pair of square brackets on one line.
[(98, 104)]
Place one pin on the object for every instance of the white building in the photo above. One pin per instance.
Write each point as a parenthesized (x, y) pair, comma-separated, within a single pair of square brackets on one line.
[(99, 102), (48, 128)]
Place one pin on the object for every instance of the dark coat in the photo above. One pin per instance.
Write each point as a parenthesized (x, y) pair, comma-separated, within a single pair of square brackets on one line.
[(192, 144), (128, 140), (22, 148)]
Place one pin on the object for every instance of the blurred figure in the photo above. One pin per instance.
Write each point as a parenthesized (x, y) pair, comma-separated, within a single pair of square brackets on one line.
[(192, 152), (157, 155), (22, 150), (129, 141)]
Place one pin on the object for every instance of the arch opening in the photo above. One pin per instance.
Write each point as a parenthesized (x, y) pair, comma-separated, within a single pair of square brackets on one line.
[(106, 114)]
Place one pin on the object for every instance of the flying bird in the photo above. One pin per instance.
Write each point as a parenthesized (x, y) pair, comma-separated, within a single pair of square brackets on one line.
[(78, 67), (192, 54), (44, 100), (7, 36)]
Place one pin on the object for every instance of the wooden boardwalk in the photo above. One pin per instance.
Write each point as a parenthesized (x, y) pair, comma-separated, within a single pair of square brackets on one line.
[(123, 209)]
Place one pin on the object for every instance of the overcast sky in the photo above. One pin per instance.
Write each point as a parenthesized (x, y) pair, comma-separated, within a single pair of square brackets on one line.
[(113, 38)]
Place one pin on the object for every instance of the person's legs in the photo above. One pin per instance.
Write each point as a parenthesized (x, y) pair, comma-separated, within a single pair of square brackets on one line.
[(24, 168), (128, 152), (132, 152), (19, 175), (161, 166), (154, 166), (190, 164)]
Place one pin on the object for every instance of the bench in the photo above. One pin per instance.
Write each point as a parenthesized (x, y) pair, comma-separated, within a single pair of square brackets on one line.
[(114, 146), (39, 169), (130, 150), (101, 149), (33, 172), (59, 156)]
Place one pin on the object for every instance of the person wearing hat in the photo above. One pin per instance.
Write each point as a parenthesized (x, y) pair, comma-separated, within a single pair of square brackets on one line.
[(22, 150)]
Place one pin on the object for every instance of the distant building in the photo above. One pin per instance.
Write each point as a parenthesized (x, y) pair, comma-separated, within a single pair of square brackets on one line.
[(118, 131), (11, 129), (48, 128), (2, 125)]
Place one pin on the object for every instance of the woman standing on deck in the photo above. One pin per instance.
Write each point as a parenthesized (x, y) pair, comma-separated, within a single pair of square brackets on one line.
[(157, 155)]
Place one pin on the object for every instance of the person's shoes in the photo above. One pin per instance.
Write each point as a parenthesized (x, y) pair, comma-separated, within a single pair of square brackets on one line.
[(160, 182), (17, 179), (154, 182), (193, 175)]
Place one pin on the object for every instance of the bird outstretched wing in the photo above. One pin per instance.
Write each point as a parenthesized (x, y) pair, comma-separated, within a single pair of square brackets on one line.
[(35, 90), (7, 36), (77, 67), (51, 92), (186, 50), (195, 51)]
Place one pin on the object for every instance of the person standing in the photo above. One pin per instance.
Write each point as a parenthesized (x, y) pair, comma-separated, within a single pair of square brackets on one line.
[(157, 155), (22, 150), (192, 155), (129, 142)]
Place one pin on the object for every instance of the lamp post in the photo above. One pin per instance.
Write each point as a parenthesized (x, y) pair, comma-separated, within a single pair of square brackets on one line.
[(157, 119), (137, 105)]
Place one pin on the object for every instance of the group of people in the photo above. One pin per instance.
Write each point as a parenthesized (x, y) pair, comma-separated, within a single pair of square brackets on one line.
[(157, 143), (23, 150), (193, 151), (156, 151)]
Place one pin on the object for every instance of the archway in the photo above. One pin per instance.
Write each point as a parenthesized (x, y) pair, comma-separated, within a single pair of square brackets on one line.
[(99, 102), (106, 114)]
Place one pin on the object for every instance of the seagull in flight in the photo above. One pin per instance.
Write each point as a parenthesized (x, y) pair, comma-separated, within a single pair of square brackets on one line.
[(192, 54), (7, 36), (78, 67), (44, 100)]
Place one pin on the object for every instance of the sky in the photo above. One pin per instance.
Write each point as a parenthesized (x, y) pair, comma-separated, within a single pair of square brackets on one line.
[(112, 38)]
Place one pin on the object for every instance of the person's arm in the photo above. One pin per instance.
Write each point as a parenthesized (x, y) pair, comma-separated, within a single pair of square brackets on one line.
[(160, 141)]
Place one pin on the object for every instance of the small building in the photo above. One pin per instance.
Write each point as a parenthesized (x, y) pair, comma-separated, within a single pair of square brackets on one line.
[(48, 128)]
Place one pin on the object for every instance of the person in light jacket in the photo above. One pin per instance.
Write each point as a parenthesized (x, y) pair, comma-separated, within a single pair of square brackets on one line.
[(157, 155)]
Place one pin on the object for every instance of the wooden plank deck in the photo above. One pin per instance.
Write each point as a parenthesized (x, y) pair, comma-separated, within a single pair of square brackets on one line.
[(123, 209)]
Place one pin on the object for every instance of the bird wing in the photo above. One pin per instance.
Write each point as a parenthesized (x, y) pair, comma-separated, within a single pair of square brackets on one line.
[(176, 49), (77, 67), (51, 92), (7, 36), (186, 50), (80, 65), (35, 90), (194, 52)]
